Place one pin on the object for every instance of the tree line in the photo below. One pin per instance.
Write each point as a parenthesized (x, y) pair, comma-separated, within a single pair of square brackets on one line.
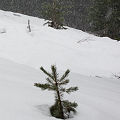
[(101, 17)]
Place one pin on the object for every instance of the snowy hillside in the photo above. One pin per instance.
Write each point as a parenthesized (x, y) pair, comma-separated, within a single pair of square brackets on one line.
[(92, 61), (81, 52)]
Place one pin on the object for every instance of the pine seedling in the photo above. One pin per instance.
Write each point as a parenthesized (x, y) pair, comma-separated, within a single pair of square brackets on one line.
[(61, 108)]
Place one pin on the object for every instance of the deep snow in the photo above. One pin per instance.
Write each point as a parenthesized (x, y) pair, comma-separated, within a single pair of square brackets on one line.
[(87, 56)]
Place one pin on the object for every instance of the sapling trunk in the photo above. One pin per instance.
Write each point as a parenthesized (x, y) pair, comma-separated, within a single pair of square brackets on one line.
[(59, 101)]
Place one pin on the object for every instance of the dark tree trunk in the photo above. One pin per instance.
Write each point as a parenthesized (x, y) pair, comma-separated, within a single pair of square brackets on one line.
[(59, 101)]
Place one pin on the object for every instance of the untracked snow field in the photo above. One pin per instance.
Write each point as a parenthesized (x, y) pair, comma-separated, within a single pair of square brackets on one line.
[(93, 61)]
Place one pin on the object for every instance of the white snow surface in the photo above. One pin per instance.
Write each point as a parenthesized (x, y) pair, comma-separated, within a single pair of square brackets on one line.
[(92, 60), (79, 51)]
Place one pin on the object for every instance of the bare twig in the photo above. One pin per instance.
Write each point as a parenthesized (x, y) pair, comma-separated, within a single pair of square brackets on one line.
[(29, 27), (116, 76)]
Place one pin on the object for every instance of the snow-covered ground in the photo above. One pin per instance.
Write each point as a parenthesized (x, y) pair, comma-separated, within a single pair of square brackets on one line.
[(81, 52), (98, 98), (92, 61)]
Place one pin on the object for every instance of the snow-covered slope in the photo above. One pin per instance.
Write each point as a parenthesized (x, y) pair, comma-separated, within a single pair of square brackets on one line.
[(98, 98), (81, 52), (22, 53)]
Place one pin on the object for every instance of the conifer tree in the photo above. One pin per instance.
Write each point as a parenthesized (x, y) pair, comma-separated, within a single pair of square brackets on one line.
[(113, 21), (97, 15), (61, 108), (104, 18), (54, 11)]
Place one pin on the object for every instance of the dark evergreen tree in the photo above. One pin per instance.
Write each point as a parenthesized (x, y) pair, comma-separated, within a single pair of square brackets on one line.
[(113, 19), (61, 108), (97, 15), (55, 10), (105, 18)]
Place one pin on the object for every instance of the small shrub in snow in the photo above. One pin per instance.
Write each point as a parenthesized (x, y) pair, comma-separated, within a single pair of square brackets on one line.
[(61, 108)]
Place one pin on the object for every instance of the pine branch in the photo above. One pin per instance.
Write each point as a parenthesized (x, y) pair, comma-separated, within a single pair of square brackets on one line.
[(54, 72), (69, 106), (62, 89), (71, 89), (64, 82), (50, 81), (47, 73), (44, 86), (65, 75)]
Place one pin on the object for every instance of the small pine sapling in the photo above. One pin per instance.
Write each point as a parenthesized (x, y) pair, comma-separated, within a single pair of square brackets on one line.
[(61, 108)]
